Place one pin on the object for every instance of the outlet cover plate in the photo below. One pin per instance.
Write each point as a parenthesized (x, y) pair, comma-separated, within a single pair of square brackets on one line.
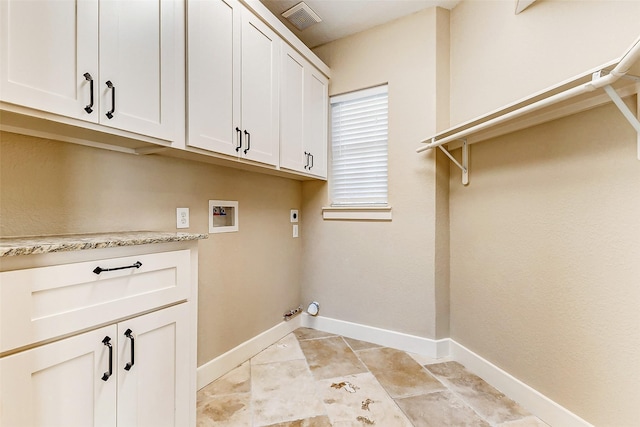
[(293, 216), (182, 217)]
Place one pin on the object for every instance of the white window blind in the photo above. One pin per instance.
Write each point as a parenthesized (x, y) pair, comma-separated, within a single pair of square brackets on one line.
[(359, 133)]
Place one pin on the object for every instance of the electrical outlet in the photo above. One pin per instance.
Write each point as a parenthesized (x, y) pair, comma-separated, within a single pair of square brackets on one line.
[(182, 217), (293, 216)]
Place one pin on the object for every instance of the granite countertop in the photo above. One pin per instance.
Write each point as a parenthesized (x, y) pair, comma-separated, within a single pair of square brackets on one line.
[(13, 246)]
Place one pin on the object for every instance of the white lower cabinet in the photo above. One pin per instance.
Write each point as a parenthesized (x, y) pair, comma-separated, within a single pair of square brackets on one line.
[(60, 384), (134, 373), (154, 391), (138, 370)]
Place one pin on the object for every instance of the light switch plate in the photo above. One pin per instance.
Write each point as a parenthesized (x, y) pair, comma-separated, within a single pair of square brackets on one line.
[(293, 216), (182, 217), (295, 230)]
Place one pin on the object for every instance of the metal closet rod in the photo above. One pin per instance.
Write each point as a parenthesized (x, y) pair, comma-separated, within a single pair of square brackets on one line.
[(626, 62)]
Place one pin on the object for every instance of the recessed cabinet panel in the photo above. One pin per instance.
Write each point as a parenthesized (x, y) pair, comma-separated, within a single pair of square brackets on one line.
[(47, 47), (154, 390), (316, 108), (303, 116), (291, 110), (260, 56), (214, 93), (60, 384), (137, 56)]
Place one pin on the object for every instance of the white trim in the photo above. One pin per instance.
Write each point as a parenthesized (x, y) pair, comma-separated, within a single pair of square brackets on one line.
[(360, 93), (64, 138), (287, 35), (371, 213), (233, 204), (222, 364), (535, 402), (401, 341)]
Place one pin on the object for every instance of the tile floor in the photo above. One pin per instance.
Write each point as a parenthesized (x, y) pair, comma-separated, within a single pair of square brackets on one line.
[(315, 379)]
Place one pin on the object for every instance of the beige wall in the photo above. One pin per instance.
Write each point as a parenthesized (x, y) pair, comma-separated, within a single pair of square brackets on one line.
[(384, 274), (247, 280), (545, 241), (498, 57)]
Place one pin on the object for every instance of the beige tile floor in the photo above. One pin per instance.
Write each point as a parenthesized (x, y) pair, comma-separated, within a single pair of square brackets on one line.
[(315, 379)]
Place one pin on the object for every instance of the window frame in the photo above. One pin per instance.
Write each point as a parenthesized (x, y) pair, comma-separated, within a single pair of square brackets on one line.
[(352, 209), (374, 145)]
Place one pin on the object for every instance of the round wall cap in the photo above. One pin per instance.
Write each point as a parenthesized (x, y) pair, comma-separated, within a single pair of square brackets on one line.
[(313, 308)]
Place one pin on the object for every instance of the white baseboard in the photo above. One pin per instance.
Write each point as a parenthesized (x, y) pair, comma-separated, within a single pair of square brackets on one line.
[(401, 341), (222, 364), (532, 400), (529, 398)]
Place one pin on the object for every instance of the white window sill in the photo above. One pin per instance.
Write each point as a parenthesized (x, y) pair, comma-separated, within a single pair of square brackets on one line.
[(368, 213)]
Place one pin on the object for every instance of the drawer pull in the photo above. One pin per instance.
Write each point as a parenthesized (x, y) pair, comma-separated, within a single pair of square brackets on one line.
[(89, 108), (109, 113), (99, 270), (239, 146), (248, 138), (107, 341), (129, 334)]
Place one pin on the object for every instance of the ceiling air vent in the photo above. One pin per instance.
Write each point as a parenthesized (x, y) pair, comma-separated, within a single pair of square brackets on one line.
[(301, 16)]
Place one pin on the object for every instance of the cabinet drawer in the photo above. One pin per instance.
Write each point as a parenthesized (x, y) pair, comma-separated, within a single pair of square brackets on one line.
[(43, 303)]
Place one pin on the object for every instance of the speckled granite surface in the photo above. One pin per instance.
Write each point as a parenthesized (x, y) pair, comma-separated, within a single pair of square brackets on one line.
[(77, 242)]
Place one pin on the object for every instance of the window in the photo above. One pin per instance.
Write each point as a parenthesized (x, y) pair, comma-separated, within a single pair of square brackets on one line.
[(359, 133)]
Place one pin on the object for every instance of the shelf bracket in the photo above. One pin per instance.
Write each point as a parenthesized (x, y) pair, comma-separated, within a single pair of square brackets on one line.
[(626, 112), (464, 166)]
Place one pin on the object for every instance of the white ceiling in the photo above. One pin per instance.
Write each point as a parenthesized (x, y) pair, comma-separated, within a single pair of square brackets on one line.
[(341, 18)]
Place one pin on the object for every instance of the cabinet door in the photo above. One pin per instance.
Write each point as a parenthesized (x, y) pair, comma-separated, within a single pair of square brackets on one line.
[(155, 391), (214, 90), (60, 384), (47, 47), (292, 85), (137, 55), (304, 114), (316, 110), (260, 93)]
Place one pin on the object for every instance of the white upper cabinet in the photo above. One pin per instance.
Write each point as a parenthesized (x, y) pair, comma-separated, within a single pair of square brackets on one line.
[(303, 116), (47, 47), (291, 104), (260, 94), (138, 56), (213, 61), (103, 61), (233, 82), (316, 109)]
